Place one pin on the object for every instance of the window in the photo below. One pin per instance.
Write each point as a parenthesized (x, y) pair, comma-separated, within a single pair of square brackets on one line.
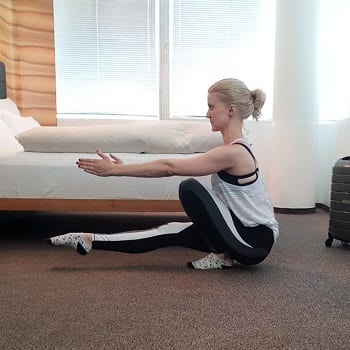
[(106, 57), (157, 58), (212, 40), (334, 68)]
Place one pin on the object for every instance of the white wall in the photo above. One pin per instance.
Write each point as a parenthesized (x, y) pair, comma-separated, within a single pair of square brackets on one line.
[(333, 143)]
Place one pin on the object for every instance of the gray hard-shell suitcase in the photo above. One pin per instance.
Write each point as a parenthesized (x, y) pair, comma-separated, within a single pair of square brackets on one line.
[(339, 211)]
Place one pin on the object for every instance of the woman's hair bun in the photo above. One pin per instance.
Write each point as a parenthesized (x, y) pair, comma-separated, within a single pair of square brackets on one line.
[(259, 98)]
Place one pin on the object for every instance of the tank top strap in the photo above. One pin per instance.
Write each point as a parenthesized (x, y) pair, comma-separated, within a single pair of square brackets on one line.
[(246, 145)]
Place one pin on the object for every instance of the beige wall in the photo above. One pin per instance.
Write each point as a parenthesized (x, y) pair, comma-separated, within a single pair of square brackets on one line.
[(27, 49)]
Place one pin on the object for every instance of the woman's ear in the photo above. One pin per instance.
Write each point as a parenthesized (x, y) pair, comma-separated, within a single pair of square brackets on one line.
[(232, 109)]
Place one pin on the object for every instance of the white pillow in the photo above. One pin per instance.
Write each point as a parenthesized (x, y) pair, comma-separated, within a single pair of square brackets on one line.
[(8, 143), (17, 123), (6, 104), (128, 136)]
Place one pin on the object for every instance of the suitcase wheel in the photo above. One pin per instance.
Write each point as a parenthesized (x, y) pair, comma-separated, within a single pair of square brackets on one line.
[(328, 242)]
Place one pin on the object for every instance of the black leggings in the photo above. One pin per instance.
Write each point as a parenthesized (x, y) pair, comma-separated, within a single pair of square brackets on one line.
[(213, 229)]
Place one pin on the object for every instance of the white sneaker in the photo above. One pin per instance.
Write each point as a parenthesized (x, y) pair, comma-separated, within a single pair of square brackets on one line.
[(76, 240), (210, 262)]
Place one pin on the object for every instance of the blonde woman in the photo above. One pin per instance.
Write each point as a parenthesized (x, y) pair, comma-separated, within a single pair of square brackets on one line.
[(233, 221)]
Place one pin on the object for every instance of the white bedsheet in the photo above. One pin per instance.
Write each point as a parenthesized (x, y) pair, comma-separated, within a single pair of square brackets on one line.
[(55, 175)]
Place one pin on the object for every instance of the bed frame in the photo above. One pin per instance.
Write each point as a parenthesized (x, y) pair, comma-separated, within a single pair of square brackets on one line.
[(83, 205), (90, 205)]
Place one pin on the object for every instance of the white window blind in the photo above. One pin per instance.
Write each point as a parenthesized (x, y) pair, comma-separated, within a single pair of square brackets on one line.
[(106, 57), (158, 57), (218, 39)]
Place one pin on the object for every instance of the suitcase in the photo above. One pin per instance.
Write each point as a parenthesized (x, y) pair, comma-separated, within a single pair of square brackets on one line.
[(339, 211)]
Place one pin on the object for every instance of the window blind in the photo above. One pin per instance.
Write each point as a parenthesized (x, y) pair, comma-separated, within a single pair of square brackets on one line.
[(106, 61), (218, 39), (158, 57)]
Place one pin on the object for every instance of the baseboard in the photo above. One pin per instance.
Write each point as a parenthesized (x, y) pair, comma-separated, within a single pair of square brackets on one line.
[(301, 210), (323, 207)]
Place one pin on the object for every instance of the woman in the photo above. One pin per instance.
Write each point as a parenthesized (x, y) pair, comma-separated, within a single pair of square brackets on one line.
[(235, 219)]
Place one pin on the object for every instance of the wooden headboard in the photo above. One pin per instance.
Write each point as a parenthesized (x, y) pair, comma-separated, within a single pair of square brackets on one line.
[(3, 89)]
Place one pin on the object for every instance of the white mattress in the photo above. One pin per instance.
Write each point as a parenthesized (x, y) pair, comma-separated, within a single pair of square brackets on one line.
[(55, 175)]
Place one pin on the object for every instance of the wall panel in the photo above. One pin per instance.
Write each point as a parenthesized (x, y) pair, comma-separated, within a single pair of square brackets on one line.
[(27, 49)]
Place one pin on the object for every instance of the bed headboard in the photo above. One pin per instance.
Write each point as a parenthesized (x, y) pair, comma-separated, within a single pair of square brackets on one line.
[(3, 90)]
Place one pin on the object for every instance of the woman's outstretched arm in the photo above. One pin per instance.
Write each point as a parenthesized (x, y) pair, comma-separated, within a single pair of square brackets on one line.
[(203, 164)]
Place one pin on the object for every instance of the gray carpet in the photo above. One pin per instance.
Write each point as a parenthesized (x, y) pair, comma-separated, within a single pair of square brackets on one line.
[(53, 298)]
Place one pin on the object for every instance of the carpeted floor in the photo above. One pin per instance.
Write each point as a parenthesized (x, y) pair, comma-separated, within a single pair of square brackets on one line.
[(53, 298)]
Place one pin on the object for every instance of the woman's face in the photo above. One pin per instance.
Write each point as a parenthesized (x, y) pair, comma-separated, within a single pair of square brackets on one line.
[(218, 112)]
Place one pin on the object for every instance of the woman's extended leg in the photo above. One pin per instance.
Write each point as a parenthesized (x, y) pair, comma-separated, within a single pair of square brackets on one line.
[(171, 234)]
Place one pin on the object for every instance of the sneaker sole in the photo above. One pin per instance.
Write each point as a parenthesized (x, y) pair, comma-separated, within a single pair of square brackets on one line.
[(223, 267)]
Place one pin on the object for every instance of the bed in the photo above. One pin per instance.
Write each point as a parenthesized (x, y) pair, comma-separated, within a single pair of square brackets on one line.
[(38, 171)]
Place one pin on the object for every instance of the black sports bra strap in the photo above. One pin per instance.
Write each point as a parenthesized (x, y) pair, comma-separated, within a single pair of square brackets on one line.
[(248, 149), (233, 179)]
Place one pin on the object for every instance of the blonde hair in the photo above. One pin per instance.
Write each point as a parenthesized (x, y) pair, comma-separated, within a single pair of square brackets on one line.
[(234, 91)]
